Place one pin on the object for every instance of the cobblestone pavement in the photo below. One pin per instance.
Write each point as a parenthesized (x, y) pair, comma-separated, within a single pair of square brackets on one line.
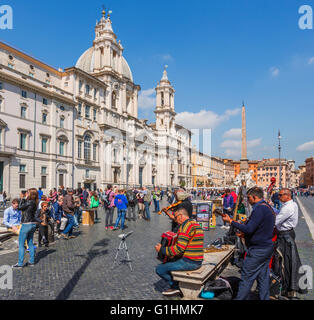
[(304, 239), (81, 268)]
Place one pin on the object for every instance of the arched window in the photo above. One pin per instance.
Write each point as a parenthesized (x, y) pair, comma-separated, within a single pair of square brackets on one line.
[(87, 147)]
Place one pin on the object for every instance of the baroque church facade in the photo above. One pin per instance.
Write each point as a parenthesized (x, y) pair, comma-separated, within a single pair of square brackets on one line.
[(80, 127)]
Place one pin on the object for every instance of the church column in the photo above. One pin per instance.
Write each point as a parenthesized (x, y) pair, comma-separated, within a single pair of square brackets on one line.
[(135, 104)]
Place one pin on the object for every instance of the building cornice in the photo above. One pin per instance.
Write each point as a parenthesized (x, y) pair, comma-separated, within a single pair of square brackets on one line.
[(34, 88), (30, 59)]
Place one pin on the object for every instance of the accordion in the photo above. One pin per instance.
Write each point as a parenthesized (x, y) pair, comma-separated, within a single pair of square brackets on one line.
[(168, 239)]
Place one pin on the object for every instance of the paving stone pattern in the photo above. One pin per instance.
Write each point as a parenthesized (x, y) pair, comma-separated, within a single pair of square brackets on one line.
[(81, 268)]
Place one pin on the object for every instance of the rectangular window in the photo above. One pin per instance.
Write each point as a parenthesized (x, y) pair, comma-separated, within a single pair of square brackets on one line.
[(44, 145), (22, 181), (45, 101), (44, 120), (1, 86), (10, 65), (61, 148), (43, 170), (95, 93), (22, 168), (94, 151), (0, 136), (44, 182), (61, 122), (24, 94), (95, 114), (80, 109), (23, 141), (31, 75), (87, 89), (80, 85), (79, 150), (87, 112), (23, 112)]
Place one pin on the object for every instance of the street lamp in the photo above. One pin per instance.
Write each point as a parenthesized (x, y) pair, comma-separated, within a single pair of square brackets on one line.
[(279, 150)]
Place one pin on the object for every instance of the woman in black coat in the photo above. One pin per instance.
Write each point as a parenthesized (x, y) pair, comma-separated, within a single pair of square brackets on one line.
[(28, 206)]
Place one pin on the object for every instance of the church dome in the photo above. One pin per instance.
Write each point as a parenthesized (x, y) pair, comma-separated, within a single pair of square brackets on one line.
[(87, 62)]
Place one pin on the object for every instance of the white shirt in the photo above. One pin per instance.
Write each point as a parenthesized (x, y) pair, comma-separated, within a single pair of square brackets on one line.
[(287, 218)]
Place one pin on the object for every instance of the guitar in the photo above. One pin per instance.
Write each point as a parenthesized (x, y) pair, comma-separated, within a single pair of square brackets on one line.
[(218, 212)]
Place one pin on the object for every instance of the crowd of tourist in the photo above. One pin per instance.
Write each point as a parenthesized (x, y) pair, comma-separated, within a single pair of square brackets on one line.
[(57, 214)]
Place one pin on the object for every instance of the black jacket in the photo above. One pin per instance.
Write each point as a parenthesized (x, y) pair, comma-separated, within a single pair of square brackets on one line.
[(29, 209)]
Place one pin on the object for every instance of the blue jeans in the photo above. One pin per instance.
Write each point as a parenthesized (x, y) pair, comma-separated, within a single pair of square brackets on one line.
[(255, 267), (121, 216), (157, 208), (77, 216), (26, 234), (69, 227), (147, 212), (164, 270)]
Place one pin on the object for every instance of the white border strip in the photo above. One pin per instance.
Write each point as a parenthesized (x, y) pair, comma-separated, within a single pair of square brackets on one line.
[(307, 217)]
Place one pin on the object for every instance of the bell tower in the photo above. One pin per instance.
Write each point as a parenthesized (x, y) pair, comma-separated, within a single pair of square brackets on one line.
[(165, 114), (108, 51)]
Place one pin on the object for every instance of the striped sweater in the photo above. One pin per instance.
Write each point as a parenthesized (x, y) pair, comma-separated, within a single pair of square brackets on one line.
[(190, 242)]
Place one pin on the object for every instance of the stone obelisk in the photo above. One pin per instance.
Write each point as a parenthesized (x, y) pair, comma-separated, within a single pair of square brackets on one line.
[(244, 163)]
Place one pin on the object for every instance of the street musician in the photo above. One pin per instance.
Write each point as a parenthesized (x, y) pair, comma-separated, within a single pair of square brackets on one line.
[(258, 231), (182, 201)]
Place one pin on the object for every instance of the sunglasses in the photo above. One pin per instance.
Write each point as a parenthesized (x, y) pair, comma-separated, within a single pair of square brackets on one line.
[(282, 194)]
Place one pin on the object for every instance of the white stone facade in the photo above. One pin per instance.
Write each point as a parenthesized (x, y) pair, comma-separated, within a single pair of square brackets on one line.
[(80, 126)]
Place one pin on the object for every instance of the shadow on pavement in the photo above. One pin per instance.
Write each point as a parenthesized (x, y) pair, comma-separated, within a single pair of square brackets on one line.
[(92, 253)]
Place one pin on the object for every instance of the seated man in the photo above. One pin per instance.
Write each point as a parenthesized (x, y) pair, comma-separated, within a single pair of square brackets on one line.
[(12, 217), (188, 248)]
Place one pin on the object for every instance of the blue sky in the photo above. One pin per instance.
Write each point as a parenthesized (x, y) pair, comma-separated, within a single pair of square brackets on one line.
[(219, 53)]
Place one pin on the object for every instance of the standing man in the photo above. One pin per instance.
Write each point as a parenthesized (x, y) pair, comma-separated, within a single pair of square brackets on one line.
[(40, 194), (156, 198), (147, 201), (286, 222), (228, 206), (109, 206), (258, 233), (68, 208), (132, 200), (85, 196)]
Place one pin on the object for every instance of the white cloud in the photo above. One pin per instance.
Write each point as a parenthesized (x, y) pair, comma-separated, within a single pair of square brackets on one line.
[(254, 143), (233, 133), (274, 72), (233, 147), (308, 146), (233, 144), (167, 57), (233, 153), (311, 60), (204, 119), (146, 99)]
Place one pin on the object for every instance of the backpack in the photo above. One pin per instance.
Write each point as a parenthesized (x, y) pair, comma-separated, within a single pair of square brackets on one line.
[(105, 199), (222, 288)]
